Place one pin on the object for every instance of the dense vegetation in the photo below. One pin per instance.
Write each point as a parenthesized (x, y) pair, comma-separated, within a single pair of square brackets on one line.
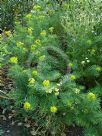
[(55, 63)]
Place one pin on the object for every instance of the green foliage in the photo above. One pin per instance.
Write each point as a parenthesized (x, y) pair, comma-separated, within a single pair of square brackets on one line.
[(55, 63), (12, 10)]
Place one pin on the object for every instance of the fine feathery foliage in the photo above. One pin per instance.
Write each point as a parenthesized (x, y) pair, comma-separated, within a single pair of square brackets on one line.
[(55, 61)]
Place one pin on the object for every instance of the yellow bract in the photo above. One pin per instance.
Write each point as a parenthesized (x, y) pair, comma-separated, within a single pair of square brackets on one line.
[(37, 8), (31, 81), (7, 33), (34, 72), (43, 33), (98, 68), (72, 77), (46, 83), (53, 109), (14, 60), (37, 42), (27, 106), (19, 44), (30, 31), (29, 15), (33, 47), (91, 96)]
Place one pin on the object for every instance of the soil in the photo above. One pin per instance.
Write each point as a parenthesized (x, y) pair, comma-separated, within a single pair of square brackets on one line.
[(11, 126), (9, 130)]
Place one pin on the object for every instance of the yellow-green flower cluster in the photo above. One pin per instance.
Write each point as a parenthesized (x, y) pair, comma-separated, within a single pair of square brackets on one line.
[(53, 109), (31, 81), (91, 96), (43, 33), (13, 60), (29, 16), (38, 42), (7, 33), (70, 64), (19, 44), (33, 47), (34, 72), (72, 77), (27, 106), (30, 30), (98, 68), (37, 7), (46, 83)]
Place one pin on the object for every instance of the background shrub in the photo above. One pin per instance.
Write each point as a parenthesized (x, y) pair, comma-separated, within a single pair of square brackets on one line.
[(55, 63), (12, 10)]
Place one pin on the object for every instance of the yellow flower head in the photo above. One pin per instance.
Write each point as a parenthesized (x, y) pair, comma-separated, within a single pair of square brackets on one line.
[(27, 106), (31, 81), (46, 83), (19, 44), (53, 109), (13, 60), (72, 77), (37, 7), (43, 33), (30, 31), (37, 42), (33, 47), (7, 33), (34, 72), (91, 96), (98, 68), (29, 16)]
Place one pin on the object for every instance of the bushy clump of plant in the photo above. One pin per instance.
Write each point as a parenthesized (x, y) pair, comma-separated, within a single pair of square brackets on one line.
[(55, 63), (11, 10)]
